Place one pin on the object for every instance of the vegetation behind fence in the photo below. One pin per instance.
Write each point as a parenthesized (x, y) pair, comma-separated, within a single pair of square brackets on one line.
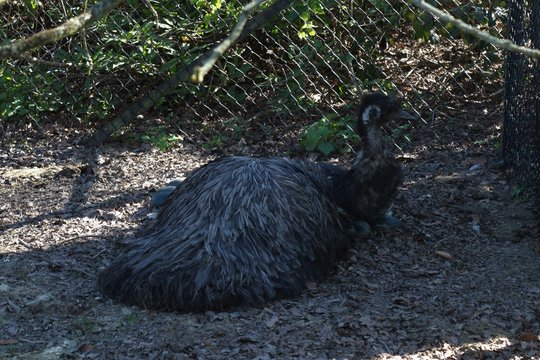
[(294, 71)]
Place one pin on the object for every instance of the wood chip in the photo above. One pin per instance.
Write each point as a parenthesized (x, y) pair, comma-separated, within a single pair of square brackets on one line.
[(443, 254)]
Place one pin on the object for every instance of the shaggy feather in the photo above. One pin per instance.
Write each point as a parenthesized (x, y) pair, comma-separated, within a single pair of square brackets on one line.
[(243, 231)]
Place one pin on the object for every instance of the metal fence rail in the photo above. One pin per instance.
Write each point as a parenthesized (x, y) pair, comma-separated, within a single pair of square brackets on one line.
[(297, 67)]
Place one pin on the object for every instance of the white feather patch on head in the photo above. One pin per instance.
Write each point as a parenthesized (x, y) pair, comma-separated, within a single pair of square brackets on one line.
[(372, 111)]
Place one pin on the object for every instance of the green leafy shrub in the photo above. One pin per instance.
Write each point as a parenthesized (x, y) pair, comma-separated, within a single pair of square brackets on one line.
[(159, 137), (329, 134), (297, 65)]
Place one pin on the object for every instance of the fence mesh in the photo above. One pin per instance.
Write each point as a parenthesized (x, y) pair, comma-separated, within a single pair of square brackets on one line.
[(522, 99), (294, 71)]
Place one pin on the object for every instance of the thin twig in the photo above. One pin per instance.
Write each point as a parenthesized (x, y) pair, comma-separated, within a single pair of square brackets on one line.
[(200, 71), (32, 341), (354, 79), (153, 11), (64, 266), (482, 35), (36, 253), (88, 236), (89, 60), (98, 254)]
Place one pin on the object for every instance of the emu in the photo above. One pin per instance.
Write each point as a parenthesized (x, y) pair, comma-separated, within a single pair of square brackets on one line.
[(244, 231)]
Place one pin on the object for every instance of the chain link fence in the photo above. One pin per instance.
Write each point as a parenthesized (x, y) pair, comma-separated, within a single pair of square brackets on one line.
[(521, 139), (294, 71)]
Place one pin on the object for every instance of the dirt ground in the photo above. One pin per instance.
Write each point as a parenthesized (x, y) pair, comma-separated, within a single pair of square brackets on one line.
[(458, 280)]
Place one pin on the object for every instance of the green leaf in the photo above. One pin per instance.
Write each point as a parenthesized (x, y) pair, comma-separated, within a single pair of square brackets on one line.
[(324, 131), (312, 138), (326, 148)]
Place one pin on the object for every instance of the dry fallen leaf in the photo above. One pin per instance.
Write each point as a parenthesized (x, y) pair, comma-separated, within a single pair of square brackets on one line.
[(529, 336), (8, 341), (443, 254), (272, 322), (84, 348)]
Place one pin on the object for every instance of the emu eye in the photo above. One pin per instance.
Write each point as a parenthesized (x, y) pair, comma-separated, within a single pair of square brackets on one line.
[(370, 113)]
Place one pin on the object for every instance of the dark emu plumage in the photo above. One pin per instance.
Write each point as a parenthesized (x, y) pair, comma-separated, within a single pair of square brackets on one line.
[(243, 231)]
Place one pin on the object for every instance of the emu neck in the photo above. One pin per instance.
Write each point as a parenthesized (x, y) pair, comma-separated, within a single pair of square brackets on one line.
[(366, 190), (373, 141)]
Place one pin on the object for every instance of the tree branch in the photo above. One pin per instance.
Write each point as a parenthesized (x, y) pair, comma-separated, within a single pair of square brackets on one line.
[(482, 35), (213, 55), (194, 71), (70, 27)]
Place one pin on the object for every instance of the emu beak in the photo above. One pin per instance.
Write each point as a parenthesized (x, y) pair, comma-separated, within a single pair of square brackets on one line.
[(405, 115)]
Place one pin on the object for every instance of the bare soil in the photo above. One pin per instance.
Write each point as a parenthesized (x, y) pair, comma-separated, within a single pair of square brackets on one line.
[(458, 280)]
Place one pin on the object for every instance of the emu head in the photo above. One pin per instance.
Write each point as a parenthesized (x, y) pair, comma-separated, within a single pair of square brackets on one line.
[(376, 110)]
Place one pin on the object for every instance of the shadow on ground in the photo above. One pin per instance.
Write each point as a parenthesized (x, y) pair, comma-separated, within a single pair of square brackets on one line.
[(459, 279)]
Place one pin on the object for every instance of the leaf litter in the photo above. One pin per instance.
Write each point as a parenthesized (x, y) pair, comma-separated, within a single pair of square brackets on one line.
[(435, 288)]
